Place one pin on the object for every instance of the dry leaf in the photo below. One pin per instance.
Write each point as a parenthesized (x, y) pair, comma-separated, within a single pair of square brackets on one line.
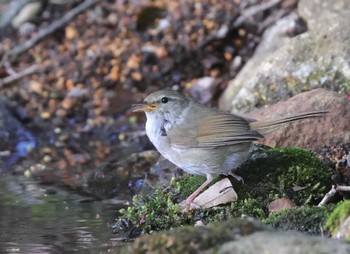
[(219, 193), (35, 87), (71, 33), (114, 73), (134, 61)]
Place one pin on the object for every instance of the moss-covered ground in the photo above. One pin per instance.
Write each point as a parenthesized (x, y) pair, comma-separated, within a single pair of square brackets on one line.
[(268, 174)]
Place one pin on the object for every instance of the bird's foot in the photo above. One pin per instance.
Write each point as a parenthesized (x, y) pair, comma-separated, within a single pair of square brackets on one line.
[(238, 178), (186, 206)]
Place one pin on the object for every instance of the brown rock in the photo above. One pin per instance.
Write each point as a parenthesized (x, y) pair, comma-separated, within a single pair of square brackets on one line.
[(313, 134), (280, 204)]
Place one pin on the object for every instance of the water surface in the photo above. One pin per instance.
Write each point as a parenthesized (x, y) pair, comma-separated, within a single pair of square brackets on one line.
[(44, 219)]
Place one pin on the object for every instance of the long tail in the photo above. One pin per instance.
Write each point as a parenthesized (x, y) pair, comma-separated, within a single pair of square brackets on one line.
[(268, 126)]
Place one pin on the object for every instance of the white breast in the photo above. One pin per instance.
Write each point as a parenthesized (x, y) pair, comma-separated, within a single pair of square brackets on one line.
[(154, 133)]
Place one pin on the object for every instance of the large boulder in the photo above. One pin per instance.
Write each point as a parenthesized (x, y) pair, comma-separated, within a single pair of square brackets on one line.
[(233, 236), (317, 58), (312, 134)]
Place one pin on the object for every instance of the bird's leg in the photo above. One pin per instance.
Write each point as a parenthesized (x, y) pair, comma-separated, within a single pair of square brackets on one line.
[(189, 200)]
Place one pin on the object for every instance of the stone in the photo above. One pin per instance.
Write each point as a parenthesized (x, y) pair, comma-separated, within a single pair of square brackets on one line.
[(317, 58), (280, 204), (204, 89), (274, 38), (315, 10), (284, 242), (242, 236), (344, 230), (311, 134)]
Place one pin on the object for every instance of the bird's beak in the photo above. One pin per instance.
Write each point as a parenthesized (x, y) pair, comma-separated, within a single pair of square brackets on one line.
[(145, 107)]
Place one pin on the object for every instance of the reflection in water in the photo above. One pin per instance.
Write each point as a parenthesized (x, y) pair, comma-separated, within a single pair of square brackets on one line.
[(32, 221)]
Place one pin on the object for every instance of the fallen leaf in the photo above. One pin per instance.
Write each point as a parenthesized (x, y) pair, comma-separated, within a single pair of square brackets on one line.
[(219, 193), (71, 33)]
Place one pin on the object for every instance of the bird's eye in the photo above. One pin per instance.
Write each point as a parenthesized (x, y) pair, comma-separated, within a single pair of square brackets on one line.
[(164, 100)]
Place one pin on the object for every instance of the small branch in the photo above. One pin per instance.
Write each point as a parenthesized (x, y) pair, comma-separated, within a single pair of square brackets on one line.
[(343, 188), (9, 68), (51, 28), (19, 75), (250, 12), (332, 192)]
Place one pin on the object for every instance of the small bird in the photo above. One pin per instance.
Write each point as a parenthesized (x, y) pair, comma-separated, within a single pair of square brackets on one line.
[(203, 140)]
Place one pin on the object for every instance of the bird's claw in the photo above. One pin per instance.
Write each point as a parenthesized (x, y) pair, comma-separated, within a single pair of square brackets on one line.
[(237, 177), (186, 206)]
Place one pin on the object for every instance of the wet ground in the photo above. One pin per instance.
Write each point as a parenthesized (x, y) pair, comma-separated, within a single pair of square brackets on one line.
[(41, 219)]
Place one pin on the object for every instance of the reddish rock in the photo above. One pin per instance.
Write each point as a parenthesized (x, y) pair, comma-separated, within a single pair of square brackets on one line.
[(313, 134), (280, 204)]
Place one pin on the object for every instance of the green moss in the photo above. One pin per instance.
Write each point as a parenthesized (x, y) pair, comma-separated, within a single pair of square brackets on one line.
[(285, 172), (248, 207), (269, 174), (339, 214), (271, 91), (305, 219), (159, 210)]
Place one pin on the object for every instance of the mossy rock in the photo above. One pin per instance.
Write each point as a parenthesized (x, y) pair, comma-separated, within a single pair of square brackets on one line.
[(306, 219), (239, 235), (284, 172), (188, 239), (340, 213), (269, 174)]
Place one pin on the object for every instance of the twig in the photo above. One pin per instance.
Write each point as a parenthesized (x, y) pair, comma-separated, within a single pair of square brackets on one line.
[(9, 68), (250, 12), (272, 20), (10, 79), (51, 28), (332, 192)]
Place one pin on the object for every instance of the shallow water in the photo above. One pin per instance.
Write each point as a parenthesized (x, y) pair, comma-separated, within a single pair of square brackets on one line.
[(43, 219)]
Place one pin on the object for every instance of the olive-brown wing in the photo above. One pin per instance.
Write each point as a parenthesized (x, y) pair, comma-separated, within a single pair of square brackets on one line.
[(216, 129)]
